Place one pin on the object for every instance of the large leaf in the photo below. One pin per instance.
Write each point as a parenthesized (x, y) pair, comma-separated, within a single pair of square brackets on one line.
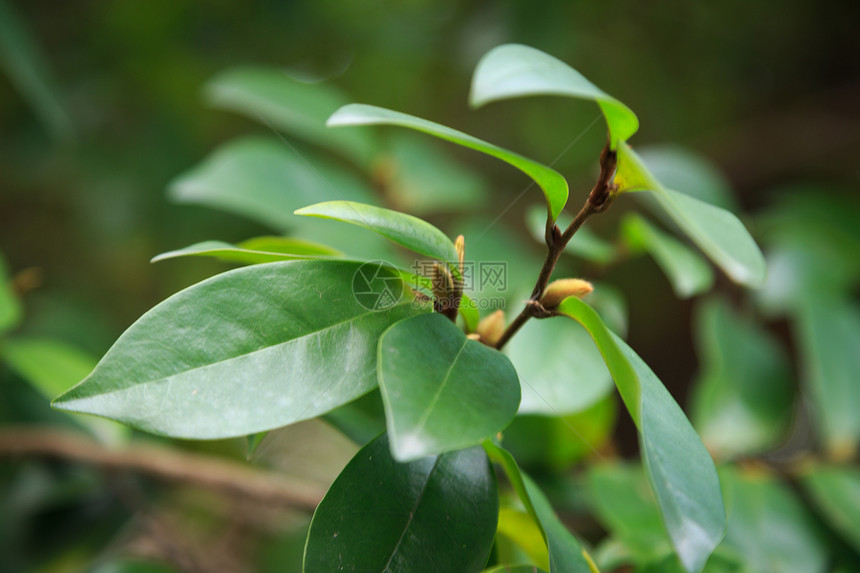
[(688, 273), (52, 367), (565, 552), (10, 307), (679, 467), (682, 169), (836, 492), (411, 232), (513, 70), (829, 334), (561, 369), (272, 97), (769, 528), (434, 514), (263, 179), (553, 184), (514, 569), (249, 350), (716, 231), (24, 63), (441, 390), (742, 402), (253, 251)]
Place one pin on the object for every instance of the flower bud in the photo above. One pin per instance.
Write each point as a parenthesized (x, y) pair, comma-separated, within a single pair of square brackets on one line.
[(559, 290), (491, 327)]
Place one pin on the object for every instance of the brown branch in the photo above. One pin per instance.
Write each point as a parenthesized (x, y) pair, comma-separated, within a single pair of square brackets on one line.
[(164, 464), (599, 200)]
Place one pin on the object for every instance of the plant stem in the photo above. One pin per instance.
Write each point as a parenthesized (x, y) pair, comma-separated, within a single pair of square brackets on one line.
[(599, 200)]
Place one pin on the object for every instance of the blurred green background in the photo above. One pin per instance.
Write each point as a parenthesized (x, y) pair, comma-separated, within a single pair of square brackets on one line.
[(101, 107)]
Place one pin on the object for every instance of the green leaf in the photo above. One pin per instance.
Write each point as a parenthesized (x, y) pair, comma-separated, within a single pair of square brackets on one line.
[(411, 232), (551, 182), (514, 569), (679, 467), (716, 231), (419, 178), (561, 370), (248, 350), (263, 179), (253, 251), (434, 514), (565, 552), (24, 63), (742, 401), (585, 243), (836, 492), (52, 367), (441, 390), (829, 334), (624, 504), (689, 172), (270, 96), (10, 306), (686, 270), (769, 528), (513, 70)]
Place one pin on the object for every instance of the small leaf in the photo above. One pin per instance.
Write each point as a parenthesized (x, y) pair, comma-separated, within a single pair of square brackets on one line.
[(10, 306), (565, 552), (253, 251), (562, 370), (263, 179), (411, 232), (434, 514), (686, 270), (742, 401), (836, 492), (441, 390), (273, 98), (716, 231), (551, 182), (679, 467), (248, 350), (829, 334), (513, 70), (769, 528)]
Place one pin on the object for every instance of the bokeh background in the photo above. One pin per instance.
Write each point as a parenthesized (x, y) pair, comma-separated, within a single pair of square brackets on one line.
[(101, 107)]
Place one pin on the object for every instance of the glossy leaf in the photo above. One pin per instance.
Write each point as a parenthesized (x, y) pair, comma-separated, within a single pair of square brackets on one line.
[(248, 350), (52, 367), (270, 96), (434, 514), (561, 370), (565, 552), (690, 173), (679, 467), (742, 401), (513, 70), (441, 390), (419, 178), (717, 232), (836, 492), (624, 504), (263, 179), (10, 306), (829, 334), (24, 63), (551, 182), (253, 251), (514, 569), (688, 273), (411, 232), (585, 243), (769, 528), (517, 527)]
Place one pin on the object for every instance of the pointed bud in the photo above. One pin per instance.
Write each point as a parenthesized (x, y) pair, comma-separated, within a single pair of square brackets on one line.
[(460, 246), (559, 290), (491, 327)]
